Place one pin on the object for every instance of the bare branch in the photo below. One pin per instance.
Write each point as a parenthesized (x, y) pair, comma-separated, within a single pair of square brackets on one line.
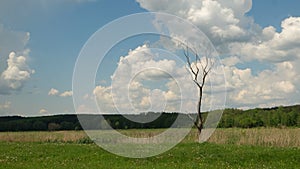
[(193, 66)]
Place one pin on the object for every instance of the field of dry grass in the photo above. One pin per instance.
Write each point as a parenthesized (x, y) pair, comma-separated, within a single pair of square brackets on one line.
[(288, 137), (42, 136)]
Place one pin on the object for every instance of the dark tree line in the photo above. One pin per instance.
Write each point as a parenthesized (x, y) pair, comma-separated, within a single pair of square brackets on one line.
[(51, 123), (271, 117), (70, 122)]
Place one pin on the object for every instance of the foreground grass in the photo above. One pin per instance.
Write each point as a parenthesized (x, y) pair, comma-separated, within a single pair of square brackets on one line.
[(184, 155)]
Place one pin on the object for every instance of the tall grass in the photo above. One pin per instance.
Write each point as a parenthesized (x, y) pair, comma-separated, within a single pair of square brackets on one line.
[(36, 136), (288, 137)]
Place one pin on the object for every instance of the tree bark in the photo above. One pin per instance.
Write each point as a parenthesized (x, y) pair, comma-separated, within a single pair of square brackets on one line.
[(200, 118)]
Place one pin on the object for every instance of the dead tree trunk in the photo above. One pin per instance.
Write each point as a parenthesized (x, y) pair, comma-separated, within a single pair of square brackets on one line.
[(199, 68)]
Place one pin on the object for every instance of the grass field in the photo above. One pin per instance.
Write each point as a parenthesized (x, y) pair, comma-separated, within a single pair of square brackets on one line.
[(185, 155), (227, 148)]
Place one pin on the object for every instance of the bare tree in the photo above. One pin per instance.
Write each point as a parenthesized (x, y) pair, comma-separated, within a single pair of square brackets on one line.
[(199, 67)]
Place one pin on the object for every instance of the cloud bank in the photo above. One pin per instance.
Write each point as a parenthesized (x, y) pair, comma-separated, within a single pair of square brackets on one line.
[(242, 44)]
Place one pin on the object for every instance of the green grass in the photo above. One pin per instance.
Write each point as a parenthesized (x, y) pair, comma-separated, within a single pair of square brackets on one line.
[(184, 155)]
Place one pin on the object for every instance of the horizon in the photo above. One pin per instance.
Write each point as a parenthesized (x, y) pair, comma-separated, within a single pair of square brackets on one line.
[(109, 114)]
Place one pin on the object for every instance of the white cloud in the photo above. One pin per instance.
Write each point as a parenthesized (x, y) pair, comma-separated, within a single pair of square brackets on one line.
[(66, 94), (43, 111), (266, 88), (279, 84), (129, 92), (17, 70), (273, 46), (223, 21), (104, 99), (145, 81), (53, 92), (231, 61), (245, 43), (14, 69), (15, 75), (11, 40), (6, 105)]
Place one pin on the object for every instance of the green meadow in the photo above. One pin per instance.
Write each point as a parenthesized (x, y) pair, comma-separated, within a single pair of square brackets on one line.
[(184, 155), (227, 148)]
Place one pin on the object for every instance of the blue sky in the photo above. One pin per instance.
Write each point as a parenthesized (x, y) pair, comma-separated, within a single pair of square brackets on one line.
[(272, 12), (55, 32)]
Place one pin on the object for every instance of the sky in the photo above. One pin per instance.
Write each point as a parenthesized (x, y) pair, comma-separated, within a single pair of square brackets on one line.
[(40, 41)]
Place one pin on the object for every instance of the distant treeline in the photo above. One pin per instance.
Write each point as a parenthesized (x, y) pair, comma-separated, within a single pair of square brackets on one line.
[(71, 122), (288, 116), (271, 117)]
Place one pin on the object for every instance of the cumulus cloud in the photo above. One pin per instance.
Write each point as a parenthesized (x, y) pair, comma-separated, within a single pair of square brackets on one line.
[(43, 111), (241, 41), (146, 81), (129, 92), (11, 40), (53, 92), (104, 100), (14, 69), (66, 94), (231, 31), (221, 20), (266, 88), (273, 46), (15, 75), (231, 61)]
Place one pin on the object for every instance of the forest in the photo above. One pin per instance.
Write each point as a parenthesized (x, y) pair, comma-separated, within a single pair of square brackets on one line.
[(282, 116)]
